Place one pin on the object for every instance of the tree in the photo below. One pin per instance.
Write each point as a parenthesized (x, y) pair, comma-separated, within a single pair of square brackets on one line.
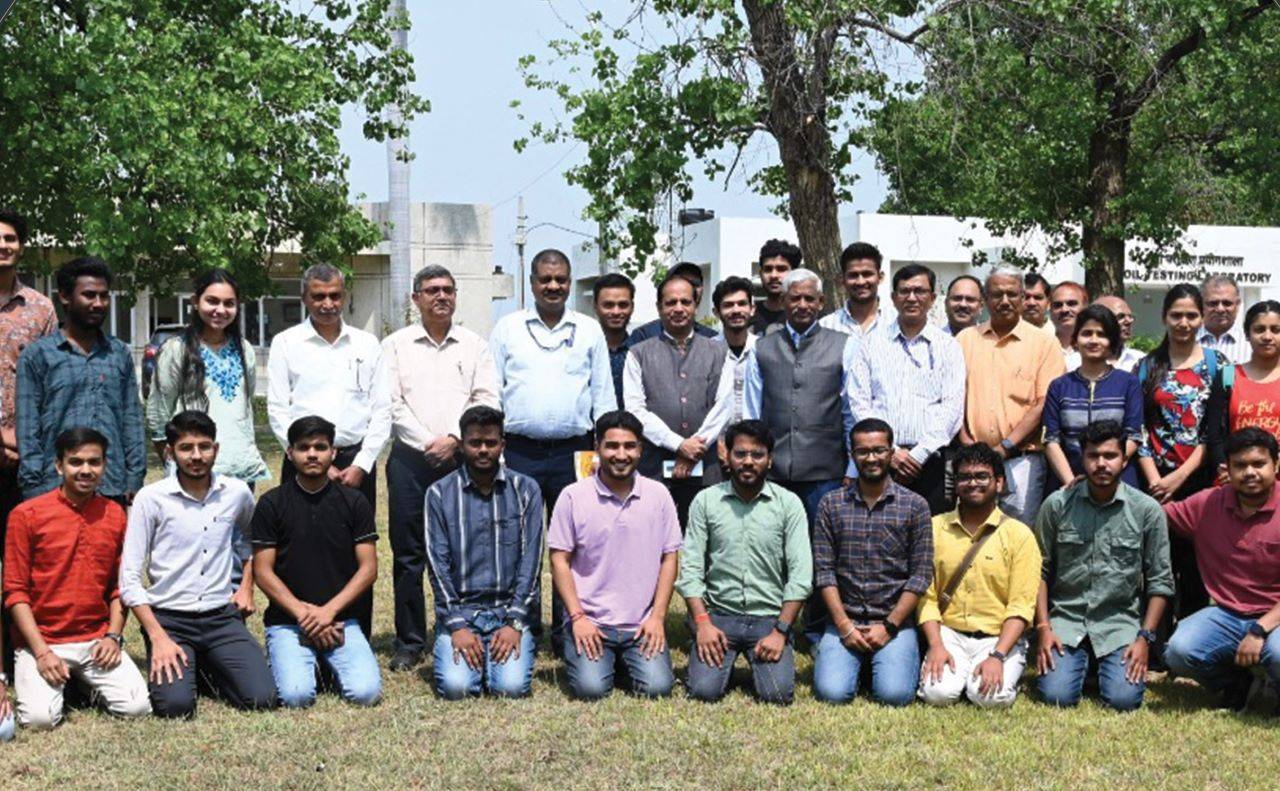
[(1097, 122), (169, 136), (698, 92)]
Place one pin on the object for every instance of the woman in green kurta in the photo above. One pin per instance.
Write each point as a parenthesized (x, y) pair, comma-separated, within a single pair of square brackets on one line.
[(211, 369)]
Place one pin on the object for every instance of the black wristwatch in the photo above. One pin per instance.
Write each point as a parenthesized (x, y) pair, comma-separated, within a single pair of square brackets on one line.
[(119, 638), (782, 626), (890, 627), (1149, 636), (1010, 449), (998, 654), (1258, 630)]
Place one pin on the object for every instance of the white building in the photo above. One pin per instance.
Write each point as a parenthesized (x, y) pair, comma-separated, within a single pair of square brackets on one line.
[(729, 245)]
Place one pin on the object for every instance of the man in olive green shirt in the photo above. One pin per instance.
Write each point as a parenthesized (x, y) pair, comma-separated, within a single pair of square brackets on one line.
[(1105, 546), (745, 571)]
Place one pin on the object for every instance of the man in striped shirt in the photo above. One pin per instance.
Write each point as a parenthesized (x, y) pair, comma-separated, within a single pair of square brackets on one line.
[(484, 555), (912, 376)]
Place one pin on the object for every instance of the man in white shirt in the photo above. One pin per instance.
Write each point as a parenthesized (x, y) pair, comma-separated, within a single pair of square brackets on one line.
[(861, 312), (1221, 310), (434, 371), (328, 368)]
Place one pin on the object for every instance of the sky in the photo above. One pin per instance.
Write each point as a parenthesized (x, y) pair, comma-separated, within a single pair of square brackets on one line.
[(466, 64)]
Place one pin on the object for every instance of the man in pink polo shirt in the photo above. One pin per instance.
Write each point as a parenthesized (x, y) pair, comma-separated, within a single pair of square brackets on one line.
[(614, 539), (1236, 532)]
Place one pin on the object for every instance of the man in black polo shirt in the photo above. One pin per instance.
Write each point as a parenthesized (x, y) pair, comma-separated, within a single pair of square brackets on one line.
[(314, 557)]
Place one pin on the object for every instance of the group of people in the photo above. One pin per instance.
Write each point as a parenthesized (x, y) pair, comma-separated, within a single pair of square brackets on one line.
[(926, 504)]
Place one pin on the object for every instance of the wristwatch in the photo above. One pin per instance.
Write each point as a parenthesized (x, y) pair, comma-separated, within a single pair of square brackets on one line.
[(998, 654), (1258, 630), (1010, 449), (890, 627), (1149, 636), (119, 638), (517, 624), (782, 626)]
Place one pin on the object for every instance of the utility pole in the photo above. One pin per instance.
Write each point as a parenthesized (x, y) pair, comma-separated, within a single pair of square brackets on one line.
[(401, 279), (521, 238)]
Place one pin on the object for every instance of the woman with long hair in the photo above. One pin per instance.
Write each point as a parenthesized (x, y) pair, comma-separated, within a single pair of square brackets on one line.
[(1253, 398), (1097, 390), (211, 369)]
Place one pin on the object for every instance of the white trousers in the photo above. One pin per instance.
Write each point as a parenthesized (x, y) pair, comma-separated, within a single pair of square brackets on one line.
[(969, 652), (121, 690), (1024, 479)]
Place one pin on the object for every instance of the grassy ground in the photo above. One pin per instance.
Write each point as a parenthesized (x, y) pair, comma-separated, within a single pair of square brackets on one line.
[(412, 739)]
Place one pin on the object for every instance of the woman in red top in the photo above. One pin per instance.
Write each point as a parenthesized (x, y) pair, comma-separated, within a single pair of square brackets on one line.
[(1254, 397)]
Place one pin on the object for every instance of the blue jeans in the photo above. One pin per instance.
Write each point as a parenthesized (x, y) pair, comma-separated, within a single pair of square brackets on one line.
[(6, 729), (1064, 684), (293, 666), (895, 669), (456, 680), (1204, 648), (593, 679), (774, 682)]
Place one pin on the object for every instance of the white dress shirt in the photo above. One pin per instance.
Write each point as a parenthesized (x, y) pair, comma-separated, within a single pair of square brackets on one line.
[(188, 549), (554, 381), (431, 384), (307, 375), (842, 321), (916, 386), (636, 401), (1233, 344)]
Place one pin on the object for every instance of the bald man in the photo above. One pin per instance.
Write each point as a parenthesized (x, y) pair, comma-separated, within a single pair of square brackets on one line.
[(1128, 358), (1065, 301)]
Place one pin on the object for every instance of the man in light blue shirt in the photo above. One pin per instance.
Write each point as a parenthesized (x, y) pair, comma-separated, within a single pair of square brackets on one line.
[(555, 379), (912, 376)]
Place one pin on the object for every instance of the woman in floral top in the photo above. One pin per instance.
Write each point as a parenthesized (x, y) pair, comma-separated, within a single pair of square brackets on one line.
[(205, 369)]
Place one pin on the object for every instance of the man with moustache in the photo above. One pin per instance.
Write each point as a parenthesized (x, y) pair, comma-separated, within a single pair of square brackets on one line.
[(692, 273), (434, 371), (1236, 533), (795, 383), (62, 556), (733, 306), (1105, 549), (872, 561), (614, 539), (1008, 367), (1221, 312), (328, 368), (614, 299), (186, 535), (1065, 301), (777, 258), (1035, 302), (861, 312), (986, 570), (745, 572), (911, 375), (314, 557), (484, 540), (671, 384), (1129, 357), (963, 304), (80, 376)]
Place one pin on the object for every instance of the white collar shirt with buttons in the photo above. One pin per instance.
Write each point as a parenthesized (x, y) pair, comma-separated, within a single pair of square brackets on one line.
[(188, 549), (1233, 344), (339, 381), (842, 320)]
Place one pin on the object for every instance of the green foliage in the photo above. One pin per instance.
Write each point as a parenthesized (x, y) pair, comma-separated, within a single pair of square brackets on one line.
[(1013, 94), (169, 136)]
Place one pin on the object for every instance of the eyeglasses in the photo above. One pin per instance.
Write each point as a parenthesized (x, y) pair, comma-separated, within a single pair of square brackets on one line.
[(431, 291), (754, 455), (919, 293), (1220, 303), (975, 477), (866, 453)]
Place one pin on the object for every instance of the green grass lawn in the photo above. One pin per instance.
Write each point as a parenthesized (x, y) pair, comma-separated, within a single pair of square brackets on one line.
[(414, 739)]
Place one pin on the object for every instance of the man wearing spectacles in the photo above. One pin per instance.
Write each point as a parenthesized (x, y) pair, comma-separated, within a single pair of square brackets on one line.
[(912, 376), (986, 571), (435, 370), (688, 271), (1221, 310), (872, 560)]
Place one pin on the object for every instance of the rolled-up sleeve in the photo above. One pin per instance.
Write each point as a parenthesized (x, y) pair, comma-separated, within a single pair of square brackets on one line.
[(1024, 578), (1157, 567), (17, 560)]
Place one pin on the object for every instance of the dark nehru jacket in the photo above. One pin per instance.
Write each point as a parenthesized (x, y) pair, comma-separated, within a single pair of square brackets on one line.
[(802, 400), (680, 389)]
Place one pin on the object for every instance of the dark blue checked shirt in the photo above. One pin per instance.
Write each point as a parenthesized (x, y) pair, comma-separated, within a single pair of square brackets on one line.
[(872, 556), (484, 554), (61, 388)]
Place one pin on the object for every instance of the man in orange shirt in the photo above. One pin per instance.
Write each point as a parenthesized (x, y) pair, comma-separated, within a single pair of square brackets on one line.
[(62, 560), (1009, 365)]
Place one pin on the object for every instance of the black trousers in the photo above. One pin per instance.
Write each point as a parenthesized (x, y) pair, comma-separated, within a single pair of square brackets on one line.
[(220, 649), (931, 484), (369, 488), (408, 478)]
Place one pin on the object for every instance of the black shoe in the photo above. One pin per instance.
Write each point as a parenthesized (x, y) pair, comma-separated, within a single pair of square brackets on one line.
[(1236, 696), (404, 660)]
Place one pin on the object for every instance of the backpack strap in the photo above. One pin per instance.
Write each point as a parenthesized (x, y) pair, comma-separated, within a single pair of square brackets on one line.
[(953, 584)]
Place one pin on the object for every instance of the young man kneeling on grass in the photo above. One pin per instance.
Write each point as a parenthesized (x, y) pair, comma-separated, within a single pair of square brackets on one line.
[(314, 557), (62, 557), (187, 535), (484, 555), (745, 571)]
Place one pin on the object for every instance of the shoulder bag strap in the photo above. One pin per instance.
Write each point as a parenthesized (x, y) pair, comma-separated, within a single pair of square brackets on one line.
[(944, 599)]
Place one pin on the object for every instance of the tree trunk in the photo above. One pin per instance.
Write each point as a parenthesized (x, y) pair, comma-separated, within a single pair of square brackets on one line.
[(1103, 245), (797, 120)]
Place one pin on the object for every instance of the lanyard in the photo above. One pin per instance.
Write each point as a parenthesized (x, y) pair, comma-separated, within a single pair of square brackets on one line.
[(906, 348)]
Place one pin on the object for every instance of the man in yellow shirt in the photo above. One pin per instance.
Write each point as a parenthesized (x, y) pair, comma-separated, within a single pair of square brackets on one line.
[(974, 626)]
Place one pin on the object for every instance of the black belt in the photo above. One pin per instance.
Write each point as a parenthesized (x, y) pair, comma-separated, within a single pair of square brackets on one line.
[(551, 444), (975, 635)]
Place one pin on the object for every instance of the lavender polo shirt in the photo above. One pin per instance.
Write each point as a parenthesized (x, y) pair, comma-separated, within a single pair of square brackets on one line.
[(617, 546)]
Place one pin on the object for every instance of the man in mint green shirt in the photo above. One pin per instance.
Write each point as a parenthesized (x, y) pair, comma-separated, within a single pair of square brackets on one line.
[(745, 571)]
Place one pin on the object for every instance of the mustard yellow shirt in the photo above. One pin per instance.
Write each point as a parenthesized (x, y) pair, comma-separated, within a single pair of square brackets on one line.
[(1005, 377), (1002, 582)]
